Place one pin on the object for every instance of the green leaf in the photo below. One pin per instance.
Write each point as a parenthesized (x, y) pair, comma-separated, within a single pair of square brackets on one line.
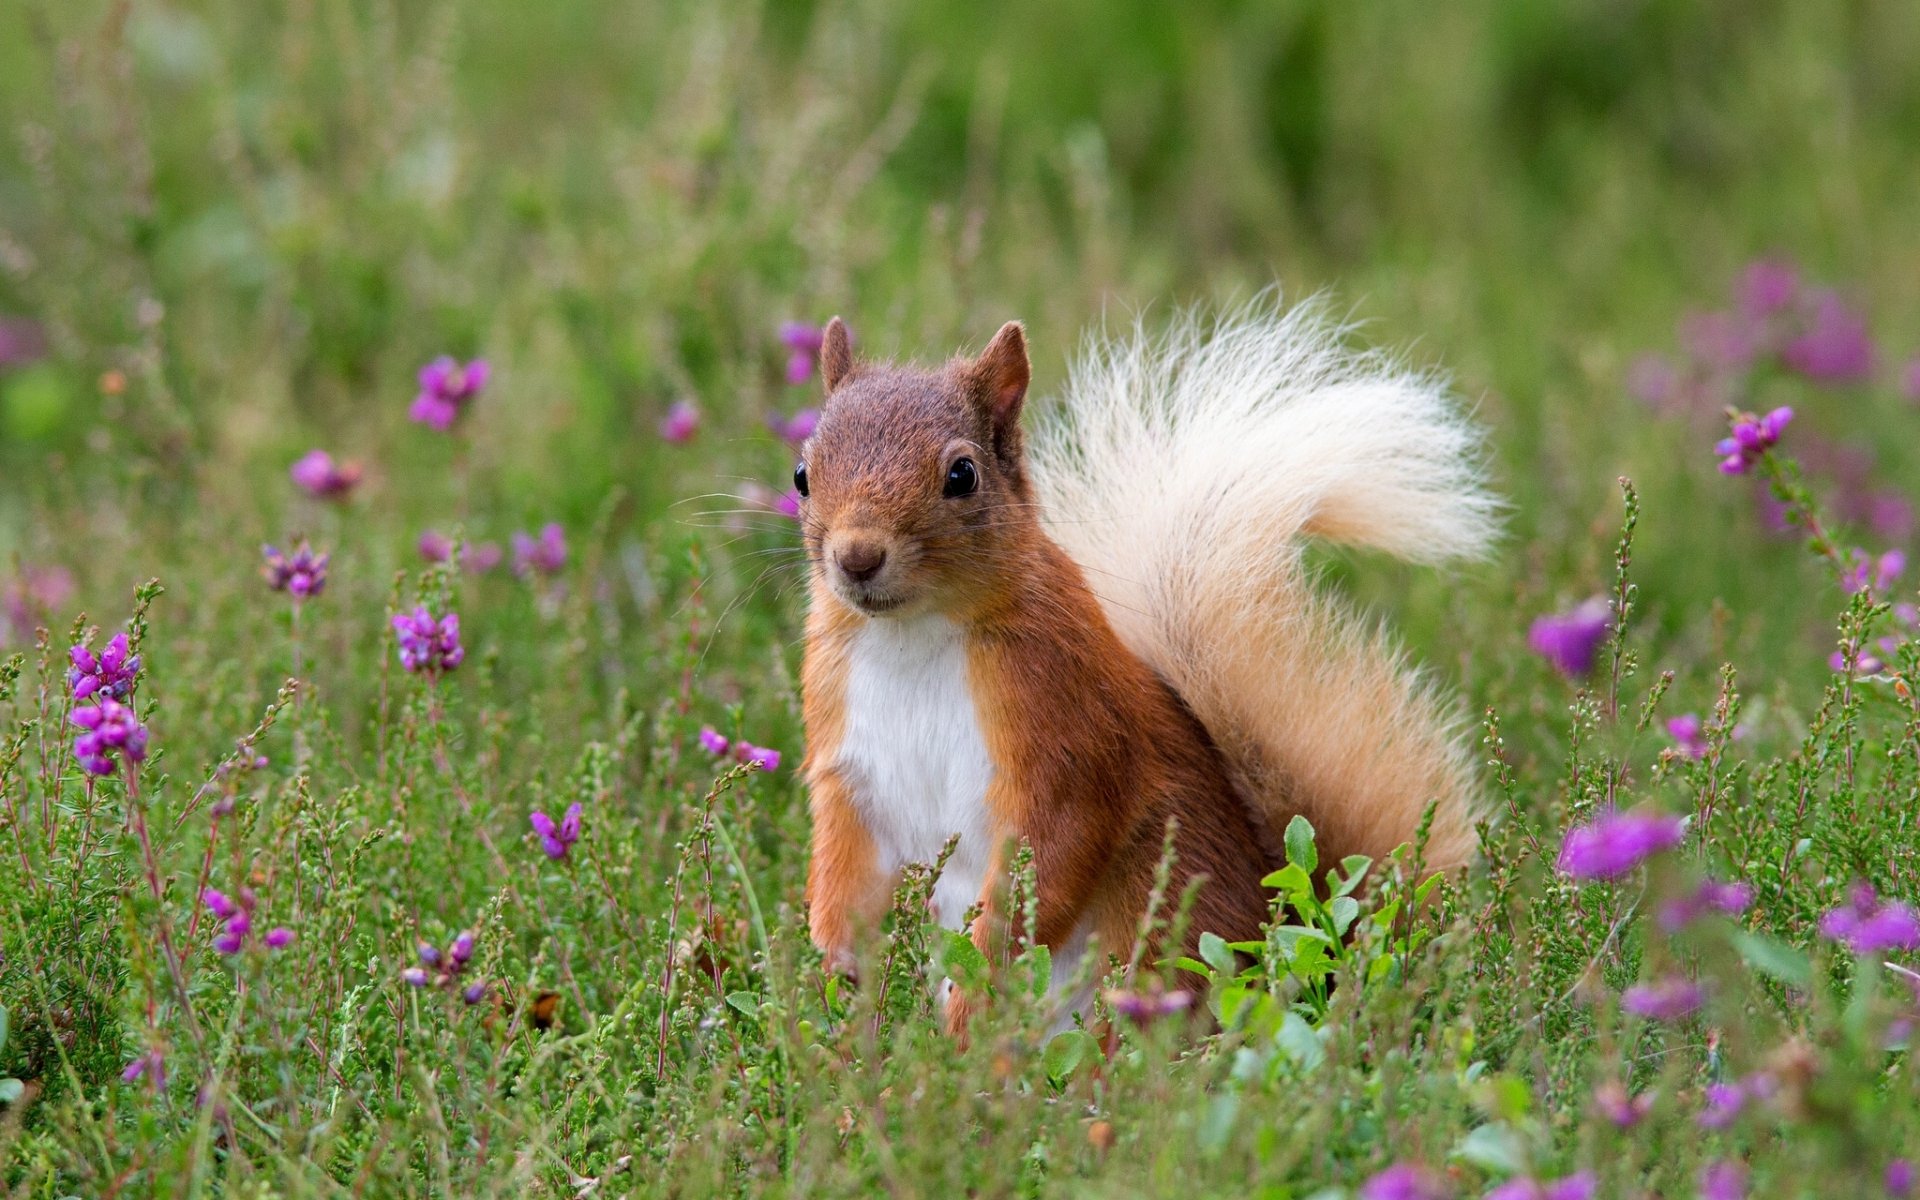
[(1066, 1053), (3, 1027), (1290, 879), (1039, 960), (745, 1002), (962, 960), (1493, 1148), (1300, 851), (1343, 909), (1774, 959), (1299, 1042), (1355, 868), (11, 1090), (1214, 949), (1195, 965)]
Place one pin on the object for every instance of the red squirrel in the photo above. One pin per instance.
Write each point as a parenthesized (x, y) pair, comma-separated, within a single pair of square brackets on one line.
[(1070, 637)]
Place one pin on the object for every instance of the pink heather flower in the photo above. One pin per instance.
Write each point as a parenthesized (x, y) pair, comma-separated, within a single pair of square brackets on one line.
[(1752, 438), (110, 729), (1767, 287), (1669, 999), (543, 555), (1147, 1006), (1899, 1179), (1868, 572), (150, 1064), (1688, 734), (481, 557), (1723, 1104), (461, 949), (712, 742), (21, 342), (1835, 346), (1860, 660), (556, 839), (803, 343), (681, 422), (1710, 896), (414, 977), (301, 576), (318, 475), (757, 756), (435, 547), (1579, 1186), (427, 644), (1570, 640), (474, 993), (30, 598), (795, 429), (445, 970), (1723, 1181), (1402, 1181), (1617, 842), (1889, 514), (278, 937), (1621, 1110), (789, 504), (1721, 340), (112, 673), (446, 389), (236, 916), (1867, 926)]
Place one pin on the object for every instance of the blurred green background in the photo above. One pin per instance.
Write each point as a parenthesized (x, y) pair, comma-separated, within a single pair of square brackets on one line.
[(267, 215)]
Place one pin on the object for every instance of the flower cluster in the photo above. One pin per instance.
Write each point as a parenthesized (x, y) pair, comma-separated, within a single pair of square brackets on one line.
[(1710, 895), (236, 915), (795, 429), (302, 574), (744, 751), (1145, 1006), (1669, 999), (803, 344), (542, 555), (1867, 925), (429, 644), (111, 673), (1581, 1185), (1402, 1181), (1572, 639), (476, 557), (30, 598), (556, 838), (446, 388), (317, 474), (110, 728), (1751, 438), (1617, 842), (681, 422), (1866, 572), (151, 1064), (445, 970)]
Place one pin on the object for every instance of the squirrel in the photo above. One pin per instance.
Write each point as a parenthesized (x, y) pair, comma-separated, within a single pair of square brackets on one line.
[(1072, 635)]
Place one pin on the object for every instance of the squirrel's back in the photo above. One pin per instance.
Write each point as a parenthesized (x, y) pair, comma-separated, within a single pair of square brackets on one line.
[(1183, 473)]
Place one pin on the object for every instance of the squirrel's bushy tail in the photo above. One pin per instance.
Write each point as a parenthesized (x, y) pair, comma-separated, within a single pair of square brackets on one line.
[(1183, 471)]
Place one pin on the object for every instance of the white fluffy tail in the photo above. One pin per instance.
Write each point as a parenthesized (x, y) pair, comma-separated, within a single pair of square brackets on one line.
[(1182, 473)]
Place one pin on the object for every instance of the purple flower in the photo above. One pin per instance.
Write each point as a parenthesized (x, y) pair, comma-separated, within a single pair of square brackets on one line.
[(1859, 660), (1865, 925), (1752, 438), (316, 473), (1570, 640), (1402, 1181), (1617, 842), (444, 970), (1767, 287), (429, 954), (110, 729), (1889, 514), (1710, 896), (681, 422), (1689, 735), (1668, 999), (1835, 346), (236, 916), (543, 555), (1723, 1104), (151, 1064), (110, 674), (757, 756), (1145, 1007), (278, 937), (1899, 1178), (302, 575), (1723, 1181), (1579, 1186), (803, 343), (712, 742), (1867, 572), (427, 644), (414, 976), (461, 950), (475, 993), (556, 839), (31, 598), (435, 547), (1622, 1110), (21, 342), (1722, 340), (788, 505), (795, 429), (446, 388)]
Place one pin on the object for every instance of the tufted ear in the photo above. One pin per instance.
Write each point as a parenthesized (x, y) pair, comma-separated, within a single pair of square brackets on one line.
[(1001, 374), (836, 353)]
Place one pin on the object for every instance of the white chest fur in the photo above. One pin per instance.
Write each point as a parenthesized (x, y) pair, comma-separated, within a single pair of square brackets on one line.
[(913, 752)]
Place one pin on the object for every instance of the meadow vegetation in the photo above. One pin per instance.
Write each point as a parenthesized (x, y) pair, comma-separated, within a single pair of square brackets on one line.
[(453, 845)]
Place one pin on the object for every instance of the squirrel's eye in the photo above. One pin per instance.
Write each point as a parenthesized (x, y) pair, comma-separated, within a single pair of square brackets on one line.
[(963, 479), (800, 478)]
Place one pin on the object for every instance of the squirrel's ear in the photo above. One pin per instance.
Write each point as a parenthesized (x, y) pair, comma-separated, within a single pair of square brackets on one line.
[(836, 353), (1001, 373)]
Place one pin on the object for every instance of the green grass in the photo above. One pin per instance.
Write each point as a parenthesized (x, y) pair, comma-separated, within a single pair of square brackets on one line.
[(266, 217)]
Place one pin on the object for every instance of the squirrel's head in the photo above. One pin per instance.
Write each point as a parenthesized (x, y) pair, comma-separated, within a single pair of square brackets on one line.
[(912, 484)]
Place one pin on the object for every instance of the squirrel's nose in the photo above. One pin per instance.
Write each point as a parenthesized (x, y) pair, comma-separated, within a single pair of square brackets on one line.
[(860, 561)]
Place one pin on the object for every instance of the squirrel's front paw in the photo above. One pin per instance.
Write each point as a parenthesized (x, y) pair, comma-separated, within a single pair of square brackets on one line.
[(840, 961)]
